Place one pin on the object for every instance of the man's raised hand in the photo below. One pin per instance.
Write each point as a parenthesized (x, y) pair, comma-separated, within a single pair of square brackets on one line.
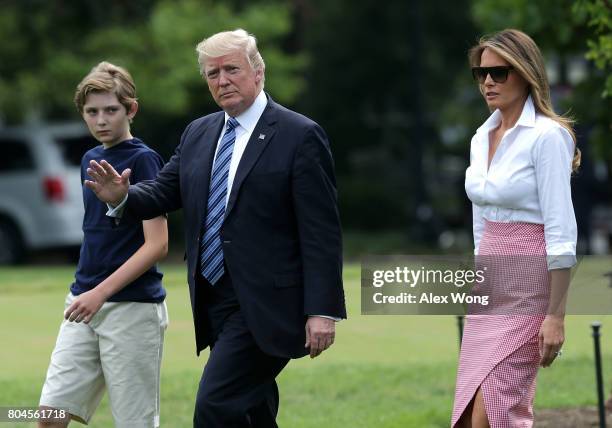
[(106, 183)]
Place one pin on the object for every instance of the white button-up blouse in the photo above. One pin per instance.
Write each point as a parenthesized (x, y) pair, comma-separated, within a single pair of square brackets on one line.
[(528, 181)]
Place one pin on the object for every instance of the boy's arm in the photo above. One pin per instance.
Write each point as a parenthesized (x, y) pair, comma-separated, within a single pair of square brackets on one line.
[(154, 248)]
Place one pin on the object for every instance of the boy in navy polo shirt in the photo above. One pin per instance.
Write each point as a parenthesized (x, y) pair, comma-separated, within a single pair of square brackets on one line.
[(115, 316)]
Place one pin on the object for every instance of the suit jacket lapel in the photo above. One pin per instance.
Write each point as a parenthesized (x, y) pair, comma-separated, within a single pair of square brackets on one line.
[(262, 134), (204, 161)]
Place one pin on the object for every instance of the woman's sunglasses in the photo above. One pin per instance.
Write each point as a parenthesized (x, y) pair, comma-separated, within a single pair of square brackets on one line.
[(499, 74)]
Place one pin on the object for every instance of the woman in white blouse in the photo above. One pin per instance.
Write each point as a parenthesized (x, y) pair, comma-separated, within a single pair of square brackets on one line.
[(521, 160)]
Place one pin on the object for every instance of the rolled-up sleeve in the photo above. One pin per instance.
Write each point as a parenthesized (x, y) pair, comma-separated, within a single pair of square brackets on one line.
[(552, 155)]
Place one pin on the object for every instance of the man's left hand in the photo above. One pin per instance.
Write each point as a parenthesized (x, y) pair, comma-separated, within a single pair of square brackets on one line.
[(320, 334)]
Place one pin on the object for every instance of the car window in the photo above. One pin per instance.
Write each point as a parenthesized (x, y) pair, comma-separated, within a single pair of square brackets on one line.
[(16, 156), (73, 148)]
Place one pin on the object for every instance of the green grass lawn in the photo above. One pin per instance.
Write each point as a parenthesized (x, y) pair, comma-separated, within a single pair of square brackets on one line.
[(383, 371)]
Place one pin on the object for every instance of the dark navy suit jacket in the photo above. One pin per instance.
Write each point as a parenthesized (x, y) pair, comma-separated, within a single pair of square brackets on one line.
[(281, 233)]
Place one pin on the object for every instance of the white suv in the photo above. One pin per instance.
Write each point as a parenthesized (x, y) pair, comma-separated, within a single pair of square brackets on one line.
[(41, 203)]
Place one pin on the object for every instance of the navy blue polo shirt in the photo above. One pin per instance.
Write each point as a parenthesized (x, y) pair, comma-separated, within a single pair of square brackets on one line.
[(107, 245)]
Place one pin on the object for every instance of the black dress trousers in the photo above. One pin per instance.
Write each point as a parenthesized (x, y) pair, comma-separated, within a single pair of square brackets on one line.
[(238, 387)]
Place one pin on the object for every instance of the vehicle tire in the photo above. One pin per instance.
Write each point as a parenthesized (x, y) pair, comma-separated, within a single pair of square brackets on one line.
[(12, 250), (74, 254)]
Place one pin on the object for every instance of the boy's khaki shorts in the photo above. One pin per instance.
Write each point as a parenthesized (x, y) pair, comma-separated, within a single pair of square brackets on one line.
[(120, 349)]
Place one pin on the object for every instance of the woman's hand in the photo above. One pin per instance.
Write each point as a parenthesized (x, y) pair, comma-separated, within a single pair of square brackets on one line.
[(551, 338)]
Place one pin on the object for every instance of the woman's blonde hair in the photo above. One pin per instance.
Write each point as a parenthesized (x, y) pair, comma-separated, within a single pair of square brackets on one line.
[(520, 51), (107, 77)]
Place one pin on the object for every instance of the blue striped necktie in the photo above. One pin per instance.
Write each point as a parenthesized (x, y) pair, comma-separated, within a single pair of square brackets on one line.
[(211, 250)]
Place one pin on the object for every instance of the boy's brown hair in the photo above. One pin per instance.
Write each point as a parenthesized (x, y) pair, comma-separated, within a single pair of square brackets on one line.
[(107, 77)]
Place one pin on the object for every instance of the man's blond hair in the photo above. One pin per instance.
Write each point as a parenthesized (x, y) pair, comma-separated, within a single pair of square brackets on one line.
[(226, 42)]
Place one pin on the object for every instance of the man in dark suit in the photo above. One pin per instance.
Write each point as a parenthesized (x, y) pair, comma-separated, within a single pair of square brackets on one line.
[(257, 187)]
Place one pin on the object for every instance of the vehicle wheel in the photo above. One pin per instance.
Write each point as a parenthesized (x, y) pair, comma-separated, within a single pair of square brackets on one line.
[(12, 250), (74, 253)]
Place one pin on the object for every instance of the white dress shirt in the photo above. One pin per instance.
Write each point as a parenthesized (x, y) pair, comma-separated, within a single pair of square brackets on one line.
[(528, 181), (246, 124)]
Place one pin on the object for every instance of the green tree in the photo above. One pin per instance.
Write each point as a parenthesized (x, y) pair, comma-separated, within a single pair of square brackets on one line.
[(47, 47), (598, 15), (378, 78)]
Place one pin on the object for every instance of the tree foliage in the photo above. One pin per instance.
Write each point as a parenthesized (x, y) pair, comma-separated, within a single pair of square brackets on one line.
[(47, 47), (378, 78), (598, 15), (550, 22)]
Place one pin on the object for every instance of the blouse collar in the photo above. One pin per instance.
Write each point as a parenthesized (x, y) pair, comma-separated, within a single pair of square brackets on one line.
[(527, 118)]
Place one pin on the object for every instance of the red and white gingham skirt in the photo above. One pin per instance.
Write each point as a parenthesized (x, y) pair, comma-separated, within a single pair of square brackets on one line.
[(499, 353)]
